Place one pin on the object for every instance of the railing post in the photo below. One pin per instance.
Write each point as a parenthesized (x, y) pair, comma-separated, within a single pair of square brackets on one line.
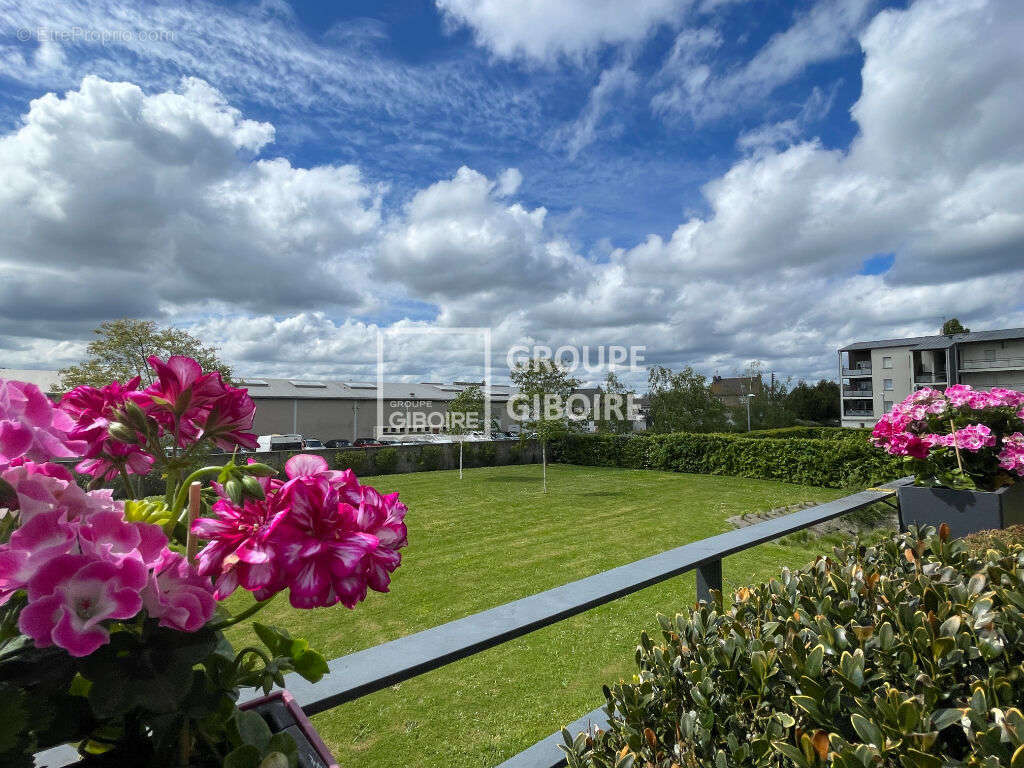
[(709, 576)]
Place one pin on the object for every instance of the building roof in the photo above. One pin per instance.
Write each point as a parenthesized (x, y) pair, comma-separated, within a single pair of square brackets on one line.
[(938, 341), (320, 389), (736, 385), (907, 342), (47, 381)]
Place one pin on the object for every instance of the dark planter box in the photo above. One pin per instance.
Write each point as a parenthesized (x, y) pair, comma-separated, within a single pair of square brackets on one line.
[(965, 511), (283, 713)]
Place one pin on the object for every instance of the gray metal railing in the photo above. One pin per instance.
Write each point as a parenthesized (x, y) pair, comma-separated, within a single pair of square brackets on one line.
[(381, 666), (928, 377), (857, 392), (986, 365), (857, 371)]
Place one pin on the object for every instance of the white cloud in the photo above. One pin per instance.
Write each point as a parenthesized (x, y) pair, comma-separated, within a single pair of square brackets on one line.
[(543, 31), (119, 202), (457, 240), (785, 132), (608, 95), (694, 89)]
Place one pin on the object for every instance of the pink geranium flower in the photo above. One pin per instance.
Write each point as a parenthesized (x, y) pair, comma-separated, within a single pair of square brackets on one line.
[(973, 438), (181, 395), (229, 420), (177, 595), (34, 544), (70, 597), (241, 550), (31, 428), (383, 516), (93, 411), (107, 536), (1011, 457), (43, 487)]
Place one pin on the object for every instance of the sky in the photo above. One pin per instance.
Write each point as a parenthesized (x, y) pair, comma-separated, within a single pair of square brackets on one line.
[(715, 181)]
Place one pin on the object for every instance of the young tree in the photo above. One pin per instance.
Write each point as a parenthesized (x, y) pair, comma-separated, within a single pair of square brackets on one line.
[(619, 422), (121, 349), (682, 402), (465, 413), (952, 326), (542, 399)]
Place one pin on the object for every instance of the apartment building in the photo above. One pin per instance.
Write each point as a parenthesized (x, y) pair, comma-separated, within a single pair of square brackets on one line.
[(874, 375)]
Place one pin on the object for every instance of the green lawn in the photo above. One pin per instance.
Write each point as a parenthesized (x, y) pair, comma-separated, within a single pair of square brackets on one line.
[(494, 537)]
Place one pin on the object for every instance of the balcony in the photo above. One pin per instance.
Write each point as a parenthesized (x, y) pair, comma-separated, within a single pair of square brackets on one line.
[(858, 371), (861, 413), (928, 377), (857, 392), (996, 364)]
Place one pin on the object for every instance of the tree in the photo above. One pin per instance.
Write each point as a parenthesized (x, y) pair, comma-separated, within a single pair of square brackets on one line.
[(768, 407), (952, 326), (818, 403), (544, 388), (613, 402), (682, 402), (120, 352), (464, 412)]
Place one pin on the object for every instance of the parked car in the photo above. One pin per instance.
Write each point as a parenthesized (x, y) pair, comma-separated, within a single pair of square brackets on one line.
[(337, 444), (367, 442), (279, 443), (313, 443)]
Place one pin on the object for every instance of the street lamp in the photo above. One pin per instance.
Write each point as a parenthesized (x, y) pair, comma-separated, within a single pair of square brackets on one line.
[(748, 411)]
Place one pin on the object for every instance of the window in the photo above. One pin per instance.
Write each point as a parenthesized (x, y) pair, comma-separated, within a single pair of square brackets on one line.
[(887, 384), (887, 405), (887, 362)]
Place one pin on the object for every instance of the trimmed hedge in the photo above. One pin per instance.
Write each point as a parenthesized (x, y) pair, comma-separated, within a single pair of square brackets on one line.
[(830, 463), (907, 654), (354, 460), (811, 433)]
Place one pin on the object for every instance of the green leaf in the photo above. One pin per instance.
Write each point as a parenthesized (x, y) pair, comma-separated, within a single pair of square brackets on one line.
[(943, 718), (312, 666), (868, 731), (249, 728), (913, 758), (245, 756)]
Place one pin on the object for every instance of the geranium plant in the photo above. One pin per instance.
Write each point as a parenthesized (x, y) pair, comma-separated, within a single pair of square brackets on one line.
[(958, 437), (111, 623)]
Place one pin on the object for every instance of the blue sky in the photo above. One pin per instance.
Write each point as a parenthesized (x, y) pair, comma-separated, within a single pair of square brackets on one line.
[(713, 179)]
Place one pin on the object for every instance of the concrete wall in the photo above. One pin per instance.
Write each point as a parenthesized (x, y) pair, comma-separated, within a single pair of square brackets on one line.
[(900, 374)]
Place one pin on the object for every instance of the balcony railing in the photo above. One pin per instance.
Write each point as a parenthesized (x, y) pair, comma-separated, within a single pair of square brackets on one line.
[(1012, 363), (857, 371), (857, 392), (929, 377), (373, 669), (861, 414)]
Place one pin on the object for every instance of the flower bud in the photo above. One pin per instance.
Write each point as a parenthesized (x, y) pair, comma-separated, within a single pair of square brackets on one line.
[(259, 470), (252, 488), (122, 433), (233, 490), (135, 416)]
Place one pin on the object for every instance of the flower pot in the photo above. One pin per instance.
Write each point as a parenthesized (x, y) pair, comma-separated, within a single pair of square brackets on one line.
[(283, 713), (964, 511)]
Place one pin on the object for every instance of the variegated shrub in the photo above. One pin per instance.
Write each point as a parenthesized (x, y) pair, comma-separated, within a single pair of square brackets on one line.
[(908, 653)]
